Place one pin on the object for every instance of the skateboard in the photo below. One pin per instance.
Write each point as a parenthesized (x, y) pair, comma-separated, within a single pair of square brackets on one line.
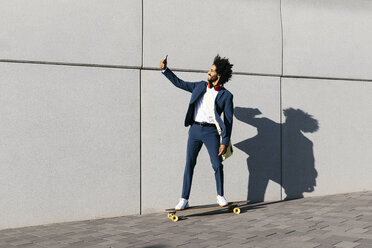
[(231, 207)]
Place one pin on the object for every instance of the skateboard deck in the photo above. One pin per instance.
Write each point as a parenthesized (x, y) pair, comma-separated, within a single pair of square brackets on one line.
[(232, 206)]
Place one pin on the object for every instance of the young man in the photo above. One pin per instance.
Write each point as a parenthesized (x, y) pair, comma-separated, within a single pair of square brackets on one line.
[(203, 130)]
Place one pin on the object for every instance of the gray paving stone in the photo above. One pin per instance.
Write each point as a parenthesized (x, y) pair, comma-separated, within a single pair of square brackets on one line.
[(332, 221), (108, 243), (367, 242), (346, 244), (53, 244)]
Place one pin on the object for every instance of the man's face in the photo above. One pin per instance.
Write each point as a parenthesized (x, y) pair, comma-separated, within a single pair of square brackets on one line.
[(213, 77)]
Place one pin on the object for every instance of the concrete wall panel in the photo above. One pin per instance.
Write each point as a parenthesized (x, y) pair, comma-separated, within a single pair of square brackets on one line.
[(164, 140), (327, 38), (193, 32), (256, 138), (337, 156), (69, 141), (84, 31)]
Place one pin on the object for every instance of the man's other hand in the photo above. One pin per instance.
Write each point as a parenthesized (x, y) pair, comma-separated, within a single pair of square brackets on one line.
[(163, 63), (222, 150)]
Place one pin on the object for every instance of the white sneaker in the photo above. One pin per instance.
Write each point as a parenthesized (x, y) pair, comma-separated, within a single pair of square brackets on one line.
[(221, 200), (184, 203)]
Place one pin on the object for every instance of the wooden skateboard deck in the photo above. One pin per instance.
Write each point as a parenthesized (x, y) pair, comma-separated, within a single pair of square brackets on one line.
[(232, 206)]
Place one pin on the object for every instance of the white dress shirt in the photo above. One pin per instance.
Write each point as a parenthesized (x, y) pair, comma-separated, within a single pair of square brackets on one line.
[(202, 112)]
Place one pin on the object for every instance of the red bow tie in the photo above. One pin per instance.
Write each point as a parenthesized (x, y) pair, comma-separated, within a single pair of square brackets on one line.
[(216, 88)]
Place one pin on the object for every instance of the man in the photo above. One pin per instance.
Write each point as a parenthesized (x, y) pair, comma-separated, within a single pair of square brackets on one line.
[(203, 130)]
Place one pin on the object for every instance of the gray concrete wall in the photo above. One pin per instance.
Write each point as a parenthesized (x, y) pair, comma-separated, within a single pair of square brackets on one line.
[(248, 31), (340, 150), (91, 128), (329, 38), (69, 143), (328, 152), (84, 31)]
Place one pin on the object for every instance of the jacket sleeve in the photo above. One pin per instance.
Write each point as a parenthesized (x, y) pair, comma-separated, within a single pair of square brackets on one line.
[(188, 86), (228, 114)]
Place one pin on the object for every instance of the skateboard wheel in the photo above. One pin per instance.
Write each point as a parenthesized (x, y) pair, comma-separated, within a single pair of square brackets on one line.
[(174, 218), (169, 215), (236, 210)]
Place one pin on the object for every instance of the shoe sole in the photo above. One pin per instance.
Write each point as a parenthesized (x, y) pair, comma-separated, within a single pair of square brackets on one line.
[(182, 208)]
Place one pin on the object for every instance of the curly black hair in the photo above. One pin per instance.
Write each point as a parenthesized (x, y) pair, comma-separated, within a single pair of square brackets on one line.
[(223, 67)]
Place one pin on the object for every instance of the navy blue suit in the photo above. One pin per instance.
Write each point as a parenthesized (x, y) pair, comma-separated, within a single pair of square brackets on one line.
[(206, 135)]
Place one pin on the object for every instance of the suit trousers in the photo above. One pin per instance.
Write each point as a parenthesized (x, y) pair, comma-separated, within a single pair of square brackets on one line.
[(199, 135)]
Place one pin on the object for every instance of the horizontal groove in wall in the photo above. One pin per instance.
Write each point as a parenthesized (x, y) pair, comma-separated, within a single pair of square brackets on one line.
[(176, 69), (122, 67), (329, 78), (68, 64), (206, 71)]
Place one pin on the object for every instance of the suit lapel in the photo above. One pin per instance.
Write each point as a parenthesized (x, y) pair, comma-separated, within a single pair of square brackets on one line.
[(201, 90), (220, 93), (198, 92)]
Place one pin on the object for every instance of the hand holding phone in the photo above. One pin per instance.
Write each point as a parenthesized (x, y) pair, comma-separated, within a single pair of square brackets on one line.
[(163, 63)]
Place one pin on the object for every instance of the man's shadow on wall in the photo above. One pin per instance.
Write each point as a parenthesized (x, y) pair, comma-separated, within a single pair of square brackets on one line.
[(296, 173)]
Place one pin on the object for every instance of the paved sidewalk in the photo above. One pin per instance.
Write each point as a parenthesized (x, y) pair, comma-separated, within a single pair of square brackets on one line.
[(332, 221)]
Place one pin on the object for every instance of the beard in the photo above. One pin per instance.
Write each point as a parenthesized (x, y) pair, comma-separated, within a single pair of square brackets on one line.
[(212, 79)]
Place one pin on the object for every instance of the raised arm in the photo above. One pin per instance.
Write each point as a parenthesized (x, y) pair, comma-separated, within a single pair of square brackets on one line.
[(188, 86)]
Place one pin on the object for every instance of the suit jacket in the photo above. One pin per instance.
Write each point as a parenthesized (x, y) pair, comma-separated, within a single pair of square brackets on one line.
[(223, 103)]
